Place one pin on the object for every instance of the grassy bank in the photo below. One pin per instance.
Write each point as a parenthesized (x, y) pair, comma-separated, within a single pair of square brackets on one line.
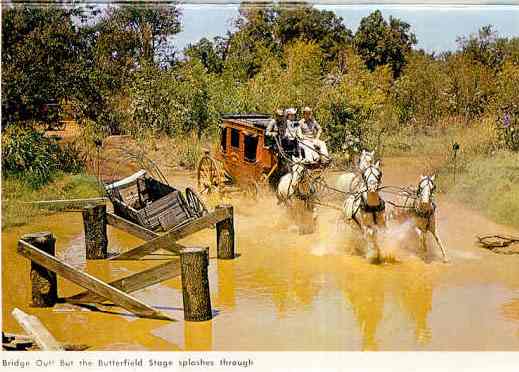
[(487, 178), (489, 184), (16, 193)]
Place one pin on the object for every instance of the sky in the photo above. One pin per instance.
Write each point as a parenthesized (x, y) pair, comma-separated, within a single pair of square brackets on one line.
[(435, 26)]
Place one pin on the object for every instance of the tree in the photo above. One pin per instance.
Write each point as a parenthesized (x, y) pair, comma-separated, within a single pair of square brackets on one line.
[(41, 61), (487, 48), (421, 92), (271, 27), (149, 26), (312, 25), (210, 54), (379, 42)]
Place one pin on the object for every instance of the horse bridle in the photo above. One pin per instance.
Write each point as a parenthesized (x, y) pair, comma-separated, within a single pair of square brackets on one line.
[(421, 186), (429, 181), (372, 172), (364, 205)]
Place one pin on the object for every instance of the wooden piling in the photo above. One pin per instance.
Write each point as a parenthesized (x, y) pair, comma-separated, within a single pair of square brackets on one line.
[(44, 282), (96, 239), (195, 284), (225, 234)]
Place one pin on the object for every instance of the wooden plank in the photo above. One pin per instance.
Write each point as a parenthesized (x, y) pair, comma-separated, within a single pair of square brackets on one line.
[(37, 330), (126, 182), (133, 282), (65, 201), (87, 281), (167, 240), (130, 227)]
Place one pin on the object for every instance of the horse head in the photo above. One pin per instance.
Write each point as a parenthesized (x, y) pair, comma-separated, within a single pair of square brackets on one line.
[(372, 178), (425, 191), (366, 159)]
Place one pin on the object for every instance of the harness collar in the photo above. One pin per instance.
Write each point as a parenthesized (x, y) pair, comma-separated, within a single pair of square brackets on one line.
[(373, 209)]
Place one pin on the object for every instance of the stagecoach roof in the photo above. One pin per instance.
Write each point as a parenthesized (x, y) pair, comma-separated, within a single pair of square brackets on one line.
[(255, 119)]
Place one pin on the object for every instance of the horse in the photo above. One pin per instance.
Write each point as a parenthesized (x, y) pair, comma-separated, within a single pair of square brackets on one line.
[(421, 208), (298, 189), (366, 208), (350, 180)]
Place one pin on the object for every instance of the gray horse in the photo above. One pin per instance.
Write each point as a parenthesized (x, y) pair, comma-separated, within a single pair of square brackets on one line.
[(420, 207), (366, 209), (350, 180)]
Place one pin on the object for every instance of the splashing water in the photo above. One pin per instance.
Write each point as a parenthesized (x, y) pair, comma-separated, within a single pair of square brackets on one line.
[(396, 240)]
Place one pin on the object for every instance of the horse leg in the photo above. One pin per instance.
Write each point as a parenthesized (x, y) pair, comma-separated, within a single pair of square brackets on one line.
[(434, 233), (422, 243), (373, 251), (339, 223)]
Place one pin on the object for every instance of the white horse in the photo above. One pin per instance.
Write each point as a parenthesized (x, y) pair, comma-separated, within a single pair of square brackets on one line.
[(296, 191), (422, 210), (366, 208), (350, 180), (289, 183)]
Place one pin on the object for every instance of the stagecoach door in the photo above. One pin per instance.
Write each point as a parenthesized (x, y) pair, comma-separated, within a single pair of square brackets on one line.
[(223, 140)]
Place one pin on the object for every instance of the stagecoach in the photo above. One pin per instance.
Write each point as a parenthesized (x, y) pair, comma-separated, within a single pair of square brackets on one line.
[(243, 161)]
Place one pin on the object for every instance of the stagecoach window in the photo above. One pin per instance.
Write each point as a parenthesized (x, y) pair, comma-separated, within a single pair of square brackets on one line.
[(251, 144), (235, 138), (223, 139)]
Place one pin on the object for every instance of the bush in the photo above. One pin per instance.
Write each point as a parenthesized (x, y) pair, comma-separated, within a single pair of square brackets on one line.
[(420, 93), (170, 101), (28, 154)]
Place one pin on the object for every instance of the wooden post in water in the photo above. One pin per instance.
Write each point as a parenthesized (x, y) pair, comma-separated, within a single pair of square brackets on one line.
[(225, 234), (94, 223), (195, 284), (44, 282)]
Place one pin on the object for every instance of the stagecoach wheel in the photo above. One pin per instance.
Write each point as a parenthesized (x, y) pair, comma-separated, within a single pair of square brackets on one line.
[(209, 178), (196, 206)]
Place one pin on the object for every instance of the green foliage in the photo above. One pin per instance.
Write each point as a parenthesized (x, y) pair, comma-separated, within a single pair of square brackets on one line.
[(40, 61), (274, 27), (123, 38), (312, 25), (170, 101), (26, 153), (355, 103), (507, 86), (144, 28), (210, 54), (379, 42), (420, 93), (487, 48)]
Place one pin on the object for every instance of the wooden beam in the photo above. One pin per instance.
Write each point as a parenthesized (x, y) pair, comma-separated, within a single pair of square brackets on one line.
[(133, 282), (138, 231), (37, 330), (24, 342), (130, 227), (66, 201), (87, 281), (167, 240)]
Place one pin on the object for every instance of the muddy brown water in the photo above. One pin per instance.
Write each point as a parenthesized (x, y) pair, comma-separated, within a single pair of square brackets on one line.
[(291, 292)]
